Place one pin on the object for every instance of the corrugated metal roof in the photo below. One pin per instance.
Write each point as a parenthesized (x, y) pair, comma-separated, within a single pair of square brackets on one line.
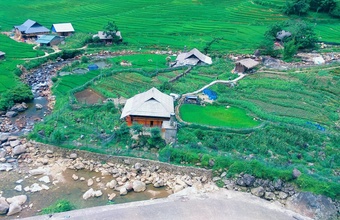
[(45, 39), (151, 103), (63, 27), (249, 63), (30, 27), (192, 58)]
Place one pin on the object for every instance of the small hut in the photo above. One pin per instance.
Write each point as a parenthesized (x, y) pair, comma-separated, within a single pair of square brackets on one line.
[(245, 65), (63, 29), (48, 40), (107, 38), (191, 58), (30, 28)]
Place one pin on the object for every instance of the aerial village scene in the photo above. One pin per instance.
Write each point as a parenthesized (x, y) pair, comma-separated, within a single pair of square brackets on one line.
[(191, 109)]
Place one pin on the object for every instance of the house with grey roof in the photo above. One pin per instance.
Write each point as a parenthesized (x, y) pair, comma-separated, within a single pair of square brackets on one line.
[(152, 109), (49, 40), (191, 58), (2, 55), (107, 38), (30, 28), (245, 65), (62, 29)]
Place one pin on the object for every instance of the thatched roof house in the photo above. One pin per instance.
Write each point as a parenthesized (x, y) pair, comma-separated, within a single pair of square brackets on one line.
[(245, 65), (192, 58), (150, 108)]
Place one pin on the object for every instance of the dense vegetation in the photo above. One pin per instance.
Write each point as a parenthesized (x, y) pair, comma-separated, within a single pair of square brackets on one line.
[(293, 104)]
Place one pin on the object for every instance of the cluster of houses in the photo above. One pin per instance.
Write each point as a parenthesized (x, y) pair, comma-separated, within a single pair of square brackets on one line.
[(45, 37)]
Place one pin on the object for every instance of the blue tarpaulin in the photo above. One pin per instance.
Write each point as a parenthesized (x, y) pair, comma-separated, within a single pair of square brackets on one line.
[(93, 67), (211, 94)]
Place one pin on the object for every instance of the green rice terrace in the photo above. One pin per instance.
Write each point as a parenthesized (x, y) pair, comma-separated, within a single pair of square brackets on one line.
[(278, 120), (217, 116)]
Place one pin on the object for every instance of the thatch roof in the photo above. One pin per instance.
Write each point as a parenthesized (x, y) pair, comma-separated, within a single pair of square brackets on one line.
[(2, 53), (283, 34), (152, 103), (248, 63)]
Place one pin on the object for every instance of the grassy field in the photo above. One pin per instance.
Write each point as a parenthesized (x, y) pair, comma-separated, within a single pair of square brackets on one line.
[(217, 116)]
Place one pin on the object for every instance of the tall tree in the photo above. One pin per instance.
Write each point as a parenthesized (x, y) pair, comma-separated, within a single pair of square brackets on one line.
[(297, 7), (111, 30)]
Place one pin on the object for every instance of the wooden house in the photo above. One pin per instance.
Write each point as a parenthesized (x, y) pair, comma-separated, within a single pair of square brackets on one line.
[(2, 55), (49, 40), (245, 65), (62, 29), (150, 108), (191, 58), (30, 29)]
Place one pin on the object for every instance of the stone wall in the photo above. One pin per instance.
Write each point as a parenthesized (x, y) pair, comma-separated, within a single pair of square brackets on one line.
[(58, 151)]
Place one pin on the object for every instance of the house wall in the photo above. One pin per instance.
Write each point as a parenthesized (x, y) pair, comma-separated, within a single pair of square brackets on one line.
[(146, 121), (65, 34), (240, 68)]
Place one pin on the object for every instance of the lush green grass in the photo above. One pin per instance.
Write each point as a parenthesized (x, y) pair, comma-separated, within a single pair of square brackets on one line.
[(58, 206), (143, 61), (217, 116)]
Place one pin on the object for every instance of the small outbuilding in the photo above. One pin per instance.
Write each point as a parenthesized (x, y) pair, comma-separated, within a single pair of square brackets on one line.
[(281, 35), (92, 67), (30, 28), (63, 29), (49, 40), (191, 58), (107, 38), (2, 55), (245, 65)]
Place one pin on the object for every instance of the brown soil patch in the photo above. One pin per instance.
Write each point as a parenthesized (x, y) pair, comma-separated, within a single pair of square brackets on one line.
[(89, 96)]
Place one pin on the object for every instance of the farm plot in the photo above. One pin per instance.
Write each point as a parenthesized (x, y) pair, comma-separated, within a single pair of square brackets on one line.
[(232, 117), (305, 96)]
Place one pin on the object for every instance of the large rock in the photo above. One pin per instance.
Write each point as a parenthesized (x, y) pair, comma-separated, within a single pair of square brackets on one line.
[(79, 165), (38, 171), (245, 180), (4, 209), (73, 156), (313, 206), (138, 186), (97, 193), (45, 179), (3, 137), (296, 173), (18, 188), (112, 184), (17, 199), (14, 208), (122, 191), (259, 191), (35, 187), (20, 149), (14, 143), (11, 114), (269, 195), (278, 184), (88, 194), (90, 182), (38, 106), (138, 166), (19, 107)]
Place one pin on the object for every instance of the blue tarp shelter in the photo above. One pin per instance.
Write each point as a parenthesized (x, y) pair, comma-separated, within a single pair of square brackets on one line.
[(93, 67), (211, 94)]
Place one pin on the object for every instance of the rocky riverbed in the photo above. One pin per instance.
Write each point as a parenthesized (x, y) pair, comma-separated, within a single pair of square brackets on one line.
[(43, 176)]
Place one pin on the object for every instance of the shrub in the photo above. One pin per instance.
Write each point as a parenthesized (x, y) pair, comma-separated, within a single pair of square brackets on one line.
[(84, 59), (58, 206)]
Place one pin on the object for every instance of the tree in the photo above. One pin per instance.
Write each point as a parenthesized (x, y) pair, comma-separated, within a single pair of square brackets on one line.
[(110, 30), (289, 50), (297, 7), (322, 5)]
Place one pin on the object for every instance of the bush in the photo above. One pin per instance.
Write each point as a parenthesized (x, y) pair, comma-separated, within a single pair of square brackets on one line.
[(58, 206), (297, 7), (84, 59), (17, 94)]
